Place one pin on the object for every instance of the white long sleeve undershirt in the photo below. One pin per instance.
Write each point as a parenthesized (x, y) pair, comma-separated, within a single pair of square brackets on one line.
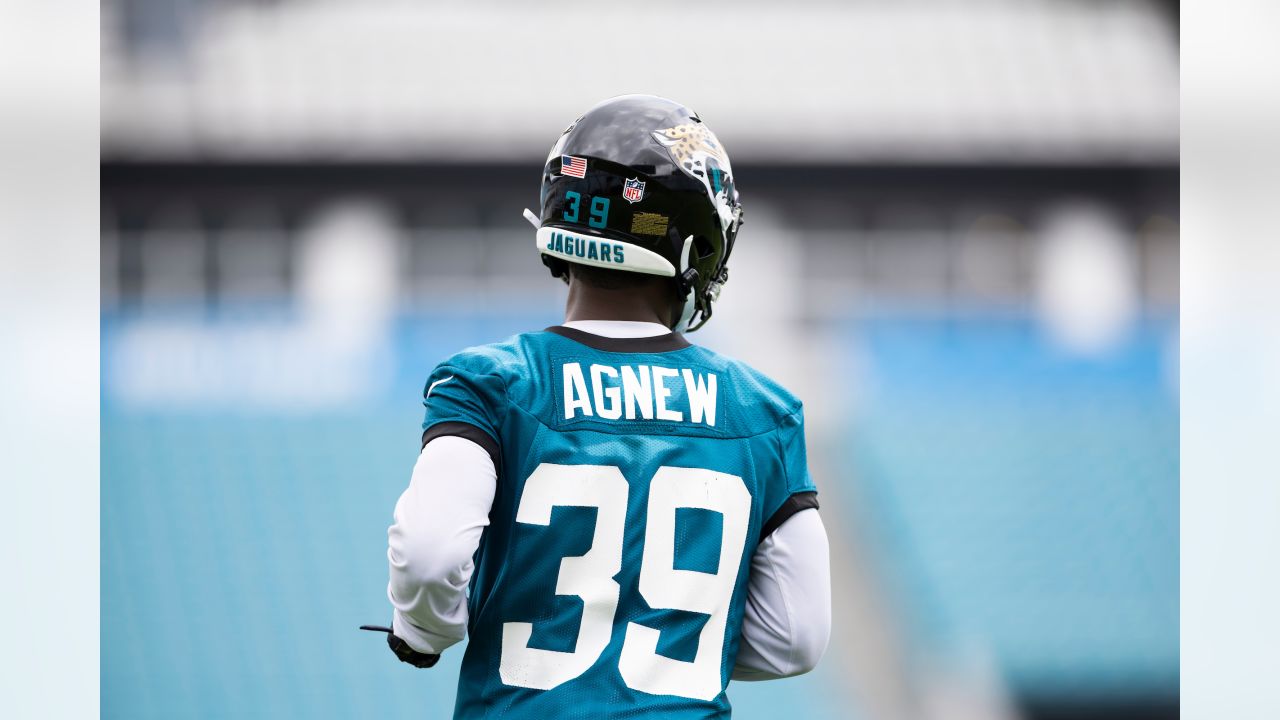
[(788, 613), (438, 523), (441, 516)]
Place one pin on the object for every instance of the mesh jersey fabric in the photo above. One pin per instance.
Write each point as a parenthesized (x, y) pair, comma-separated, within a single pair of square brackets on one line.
[(636, 477)]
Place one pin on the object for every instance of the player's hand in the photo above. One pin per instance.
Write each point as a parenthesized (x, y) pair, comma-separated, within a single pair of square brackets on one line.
[(402, 650)]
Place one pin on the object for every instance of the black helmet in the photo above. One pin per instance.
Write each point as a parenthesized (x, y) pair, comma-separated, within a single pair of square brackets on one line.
[(640, 184)]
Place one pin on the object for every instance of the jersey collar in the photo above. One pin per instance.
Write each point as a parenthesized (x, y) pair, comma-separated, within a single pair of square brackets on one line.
[(654, 344), (618, 328)]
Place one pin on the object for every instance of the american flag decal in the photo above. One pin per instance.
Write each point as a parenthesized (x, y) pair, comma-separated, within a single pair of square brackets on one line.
[(573, 166)]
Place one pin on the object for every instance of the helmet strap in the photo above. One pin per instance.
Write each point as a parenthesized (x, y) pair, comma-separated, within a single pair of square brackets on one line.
[(686, 313), (688, 278)]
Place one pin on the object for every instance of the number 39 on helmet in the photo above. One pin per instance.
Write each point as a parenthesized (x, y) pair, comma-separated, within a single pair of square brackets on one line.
[(640, 184)]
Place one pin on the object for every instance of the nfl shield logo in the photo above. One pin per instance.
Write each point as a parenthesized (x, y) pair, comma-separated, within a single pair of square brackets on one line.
[(633, 190)]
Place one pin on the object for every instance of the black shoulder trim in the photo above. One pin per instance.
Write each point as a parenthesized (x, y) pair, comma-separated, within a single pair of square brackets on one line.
[(656, 344), (468, 431), (794, 504)]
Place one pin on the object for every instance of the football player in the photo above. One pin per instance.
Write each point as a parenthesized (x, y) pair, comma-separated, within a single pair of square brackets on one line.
[(620, 520)]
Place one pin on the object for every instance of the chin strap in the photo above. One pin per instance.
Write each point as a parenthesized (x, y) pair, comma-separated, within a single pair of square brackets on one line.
[(686, 314), (689, 287), (709, 297), (688, 279)]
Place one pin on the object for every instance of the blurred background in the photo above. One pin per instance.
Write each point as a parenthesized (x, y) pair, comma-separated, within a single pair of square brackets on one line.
[(961, 250)]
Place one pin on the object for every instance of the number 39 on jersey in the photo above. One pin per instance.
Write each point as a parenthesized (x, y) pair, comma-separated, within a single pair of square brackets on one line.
[(591, 577)]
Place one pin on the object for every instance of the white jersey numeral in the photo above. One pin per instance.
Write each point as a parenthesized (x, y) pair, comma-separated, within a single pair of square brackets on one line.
[(663, 587), (589, 576), (666, 588)]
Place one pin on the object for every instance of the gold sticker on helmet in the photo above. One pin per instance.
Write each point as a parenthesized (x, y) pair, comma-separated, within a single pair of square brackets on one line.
[(643, 223)]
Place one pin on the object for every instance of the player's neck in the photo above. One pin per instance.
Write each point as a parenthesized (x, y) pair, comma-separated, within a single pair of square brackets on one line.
[(592, 303)]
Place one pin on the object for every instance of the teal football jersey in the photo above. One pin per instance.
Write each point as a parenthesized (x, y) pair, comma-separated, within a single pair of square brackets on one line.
[(635, 479)]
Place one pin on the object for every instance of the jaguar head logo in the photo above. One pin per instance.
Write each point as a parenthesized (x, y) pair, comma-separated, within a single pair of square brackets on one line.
[(690, 145), (699, 153)]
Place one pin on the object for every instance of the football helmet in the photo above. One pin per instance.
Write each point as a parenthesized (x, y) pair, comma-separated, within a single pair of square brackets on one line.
[(639, 183)]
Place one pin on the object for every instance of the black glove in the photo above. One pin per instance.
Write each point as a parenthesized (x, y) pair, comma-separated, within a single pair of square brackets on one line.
[(402, 649)]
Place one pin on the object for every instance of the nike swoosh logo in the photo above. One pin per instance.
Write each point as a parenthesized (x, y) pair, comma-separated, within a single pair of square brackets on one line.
[(438, 382)]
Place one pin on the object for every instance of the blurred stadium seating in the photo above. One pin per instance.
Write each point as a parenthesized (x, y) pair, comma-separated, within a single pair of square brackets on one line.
[(966, 263)]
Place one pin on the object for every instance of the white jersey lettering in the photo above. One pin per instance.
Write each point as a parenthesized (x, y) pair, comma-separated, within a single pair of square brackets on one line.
[(640, 392)]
